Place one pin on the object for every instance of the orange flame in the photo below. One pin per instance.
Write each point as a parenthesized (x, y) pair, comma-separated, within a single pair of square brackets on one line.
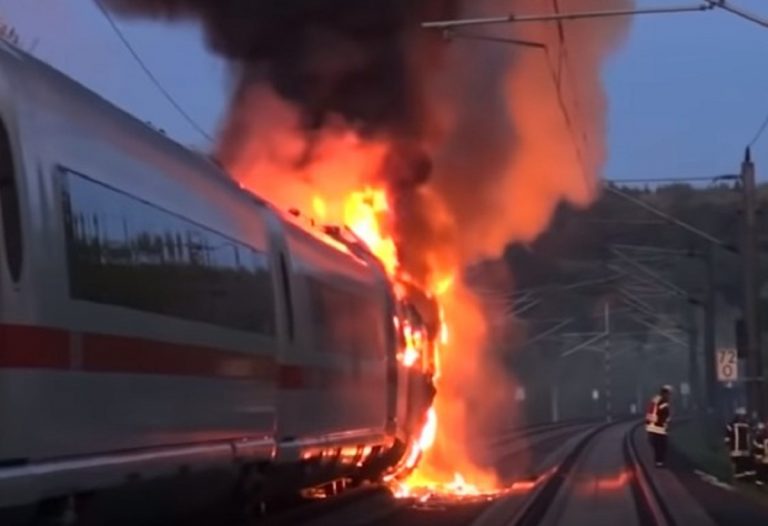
[(366, 212), (363, 213), (429, 433), (482, 194), (614, 483), (413, 341)]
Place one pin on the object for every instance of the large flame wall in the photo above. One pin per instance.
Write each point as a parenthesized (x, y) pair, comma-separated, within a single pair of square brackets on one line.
[(471, 143)]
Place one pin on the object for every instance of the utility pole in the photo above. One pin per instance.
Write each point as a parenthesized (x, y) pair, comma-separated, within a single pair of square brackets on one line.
[(710, 319), (554, 397), (693, 358), (751, 281), (607, 364)]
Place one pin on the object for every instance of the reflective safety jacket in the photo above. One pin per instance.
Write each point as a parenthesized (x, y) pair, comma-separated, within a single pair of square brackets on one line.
[(737, 438), (760, 446), (657, 416)]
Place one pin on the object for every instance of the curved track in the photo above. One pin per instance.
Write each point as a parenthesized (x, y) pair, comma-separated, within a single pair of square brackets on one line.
[(602, 480)]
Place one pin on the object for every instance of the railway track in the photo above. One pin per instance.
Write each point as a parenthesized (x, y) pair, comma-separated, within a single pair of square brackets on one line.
[(652, 509), (375, 507), (601, 480), (585, 474)]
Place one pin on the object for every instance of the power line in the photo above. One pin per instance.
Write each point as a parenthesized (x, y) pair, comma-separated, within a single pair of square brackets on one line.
[(724, 5), (556, 81), (760, 131), (569, 122), (513, 18), (451, 34), (726, 177), (672, 219), (564, 68), (738, 11), (148, 72)]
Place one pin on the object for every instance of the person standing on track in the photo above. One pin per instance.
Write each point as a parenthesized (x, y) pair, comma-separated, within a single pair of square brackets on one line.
[(656, 422), (737, 440)]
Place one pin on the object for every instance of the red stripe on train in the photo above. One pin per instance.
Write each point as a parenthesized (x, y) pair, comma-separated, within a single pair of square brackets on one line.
[(33, 347), (28, 347), (102, 353), (45, 348)]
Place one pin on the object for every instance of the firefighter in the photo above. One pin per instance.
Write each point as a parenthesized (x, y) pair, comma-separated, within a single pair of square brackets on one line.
[(759, 443), (656, 422), (737, 440)]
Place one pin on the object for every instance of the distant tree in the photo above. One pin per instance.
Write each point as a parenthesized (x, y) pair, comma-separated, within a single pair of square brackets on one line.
[(9, 33)]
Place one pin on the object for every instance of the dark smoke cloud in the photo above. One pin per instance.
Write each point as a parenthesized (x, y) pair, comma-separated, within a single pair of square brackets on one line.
[(478, 124), (346, 58), (360, 61)]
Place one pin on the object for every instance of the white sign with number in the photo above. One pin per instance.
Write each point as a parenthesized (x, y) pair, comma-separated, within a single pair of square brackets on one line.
[(727, 365)]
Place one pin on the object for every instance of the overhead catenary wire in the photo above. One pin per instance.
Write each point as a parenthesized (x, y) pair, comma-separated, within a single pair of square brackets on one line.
[(641, 180), (450, 34), (511, 18), (558, 66), (558, 72), (760, 131), (150, 75), (672, 219), (559, 17), (555, 74), (661, 332), (727, 6)]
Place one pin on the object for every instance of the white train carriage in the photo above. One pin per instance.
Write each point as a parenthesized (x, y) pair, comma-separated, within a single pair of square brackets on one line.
[(155, 318)]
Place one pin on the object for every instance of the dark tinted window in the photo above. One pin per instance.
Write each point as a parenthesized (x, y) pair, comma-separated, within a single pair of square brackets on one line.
[(127, 252), (9, 201), (286, 281), (346, 321)]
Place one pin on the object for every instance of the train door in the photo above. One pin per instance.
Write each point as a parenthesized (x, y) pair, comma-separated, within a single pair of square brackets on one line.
[(302, 408), (333, 383), (9, 207)]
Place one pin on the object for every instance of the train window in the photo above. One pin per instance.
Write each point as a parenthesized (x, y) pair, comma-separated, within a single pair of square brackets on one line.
[(285, 278), (11, 212), (346, 322), (127, 252)]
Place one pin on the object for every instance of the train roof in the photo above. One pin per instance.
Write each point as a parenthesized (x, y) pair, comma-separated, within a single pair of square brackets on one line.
[(18, 64), (30, 71)]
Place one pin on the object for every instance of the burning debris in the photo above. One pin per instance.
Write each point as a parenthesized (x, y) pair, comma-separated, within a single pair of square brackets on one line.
[(436, 153)]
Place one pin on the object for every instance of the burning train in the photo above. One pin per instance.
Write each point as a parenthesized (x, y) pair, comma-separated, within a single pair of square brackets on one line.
[(158, 322)]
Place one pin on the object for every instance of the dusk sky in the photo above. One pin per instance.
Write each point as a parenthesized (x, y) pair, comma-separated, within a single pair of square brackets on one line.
[(687, 92)]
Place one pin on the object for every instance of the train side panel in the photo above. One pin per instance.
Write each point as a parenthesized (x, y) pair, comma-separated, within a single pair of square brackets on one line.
[(124, 329), (334, 384), (155, 319)]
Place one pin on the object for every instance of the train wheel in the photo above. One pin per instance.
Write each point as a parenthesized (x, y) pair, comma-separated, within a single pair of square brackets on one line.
[(61, 511), (250, 498)]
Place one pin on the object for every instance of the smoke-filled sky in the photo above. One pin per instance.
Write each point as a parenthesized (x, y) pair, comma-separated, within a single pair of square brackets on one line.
[(686, 92)]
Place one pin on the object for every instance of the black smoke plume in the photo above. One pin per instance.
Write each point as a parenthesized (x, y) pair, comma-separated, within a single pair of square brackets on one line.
[(331, 58)]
